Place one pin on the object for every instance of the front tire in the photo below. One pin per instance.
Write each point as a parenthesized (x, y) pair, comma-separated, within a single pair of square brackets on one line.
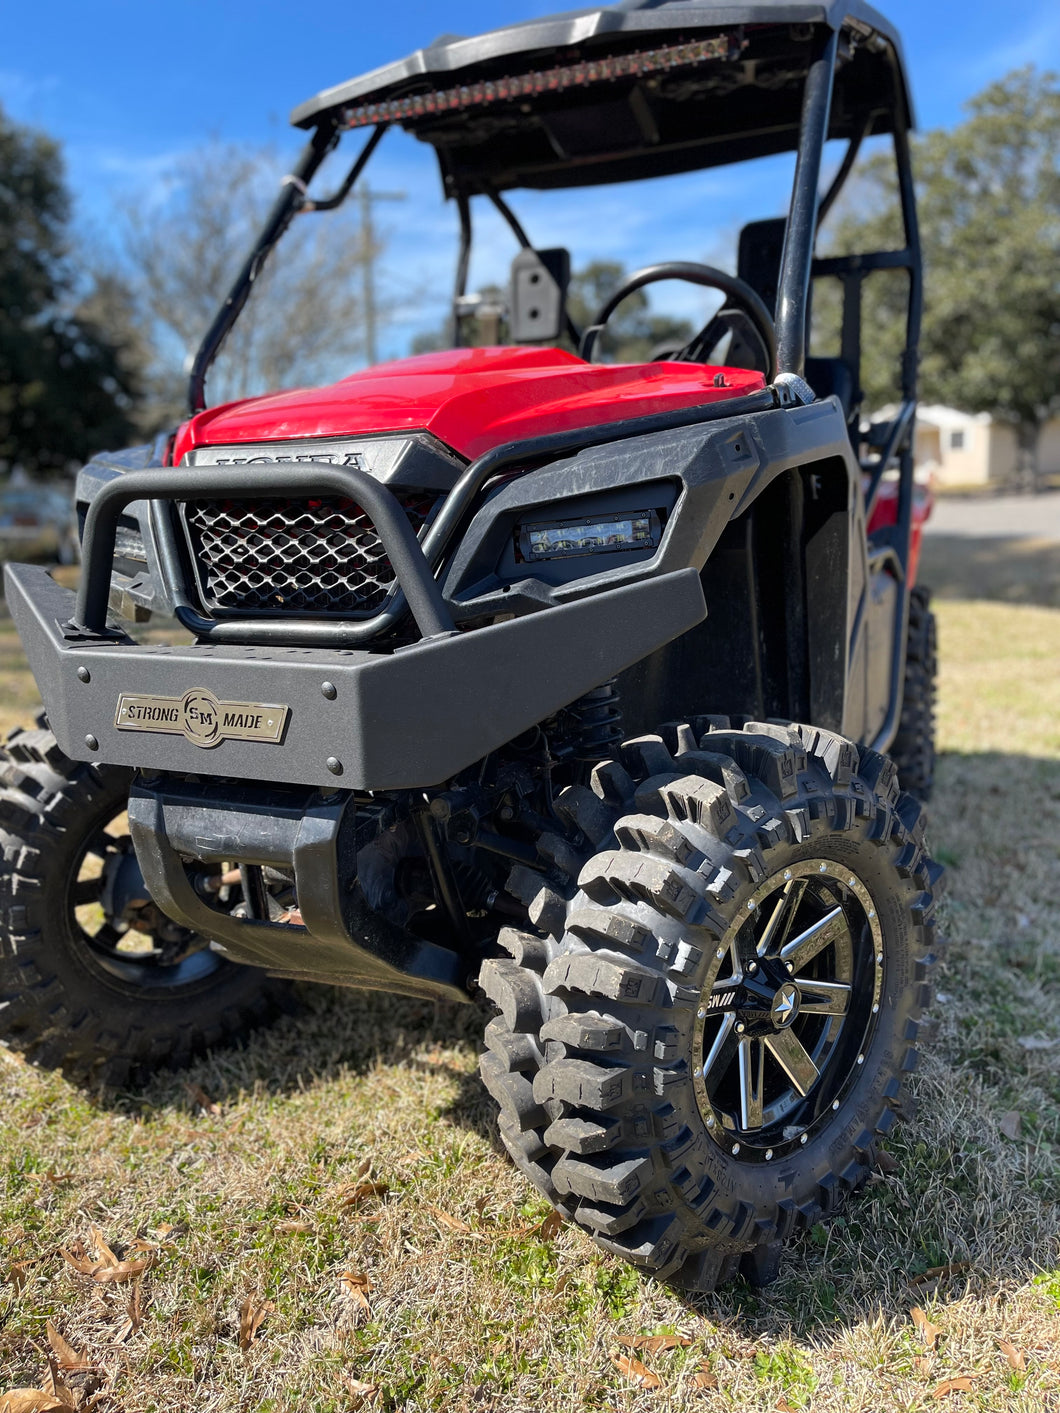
[(699, 1053), (81, 989)]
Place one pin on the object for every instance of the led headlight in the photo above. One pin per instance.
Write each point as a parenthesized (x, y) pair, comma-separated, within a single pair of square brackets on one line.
[(604, 534)]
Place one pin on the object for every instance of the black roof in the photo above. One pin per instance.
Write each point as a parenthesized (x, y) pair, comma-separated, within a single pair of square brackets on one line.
[(685, 84)]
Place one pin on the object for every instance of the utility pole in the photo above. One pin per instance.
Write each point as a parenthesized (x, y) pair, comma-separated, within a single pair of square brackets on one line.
[(367, 258)]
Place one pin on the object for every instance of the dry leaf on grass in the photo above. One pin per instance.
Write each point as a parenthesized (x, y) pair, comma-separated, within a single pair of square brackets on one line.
[(133, 1315), (356, 1285), (940, 1273), (107, 1268), (17, 1274), (783, 1406), (448, 1220), (65, 1354), (31, 1400), (704, 1377), (653, 1343), (1013, 1355), (292, 1227), (362, 1392), (929, 1333), (353, 1193), (636, 1372), (251, 1314), (963, 1384), (51, 1176), (104, 1273), (57, 1386), (548, 1229), (1010, 1124), (201, 1099)]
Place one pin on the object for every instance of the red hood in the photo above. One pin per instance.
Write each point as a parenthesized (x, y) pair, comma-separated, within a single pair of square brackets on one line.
[(472, 399)]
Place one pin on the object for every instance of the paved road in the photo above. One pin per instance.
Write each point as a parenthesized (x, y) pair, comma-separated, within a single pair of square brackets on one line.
[(997, 517)]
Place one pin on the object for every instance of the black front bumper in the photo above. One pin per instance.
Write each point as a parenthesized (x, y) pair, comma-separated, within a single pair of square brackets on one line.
[(412, 718)]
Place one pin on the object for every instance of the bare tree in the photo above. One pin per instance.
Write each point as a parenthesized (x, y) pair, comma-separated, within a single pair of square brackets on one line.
[(303, 321)]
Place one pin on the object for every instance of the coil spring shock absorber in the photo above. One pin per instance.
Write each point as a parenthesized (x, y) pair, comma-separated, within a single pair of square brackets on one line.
[(589, 729)]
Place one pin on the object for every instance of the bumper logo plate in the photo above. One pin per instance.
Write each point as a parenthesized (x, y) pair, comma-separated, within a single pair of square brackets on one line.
[(200, 717)]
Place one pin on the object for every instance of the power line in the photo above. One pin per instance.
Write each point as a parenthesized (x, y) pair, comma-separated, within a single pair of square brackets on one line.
[(367, 258)]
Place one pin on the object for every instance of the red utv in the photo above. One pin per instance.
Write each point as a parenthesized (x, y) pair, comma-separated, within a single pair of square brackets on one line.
[(580, 683)]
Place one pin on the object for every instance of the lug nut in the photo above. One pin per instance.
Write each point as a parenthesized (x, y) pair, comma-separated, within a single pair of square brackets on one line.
[(740, 1027), (752, 967)]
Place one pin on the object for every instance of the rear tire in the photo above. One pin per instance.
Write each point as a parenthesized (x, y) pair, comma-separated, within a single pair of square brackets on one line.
[(913, 751), (70, 997), (689, 1160)]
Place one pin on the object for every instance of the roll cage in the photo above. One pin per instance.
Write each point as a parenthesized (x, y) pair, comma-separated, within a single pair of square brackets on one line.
[(694, 85)]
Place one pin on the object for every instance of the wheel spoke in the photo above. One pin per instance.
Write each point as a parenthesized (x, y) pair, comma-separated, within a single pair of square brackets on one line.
[(87, 890), (720, 1056), (824, 998), (102, 844), (752, 1075), (783, 915), (794, 1059), (828, 930)]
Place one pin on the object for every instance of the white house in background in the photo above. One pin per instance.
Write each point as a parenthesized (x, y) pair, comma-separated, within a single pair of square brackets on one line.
[(972, 449)]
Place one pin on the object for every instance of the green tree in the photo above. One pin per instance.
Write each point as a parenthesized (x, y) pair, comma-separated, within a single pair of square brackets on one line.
[(989, 198), (65, 390)]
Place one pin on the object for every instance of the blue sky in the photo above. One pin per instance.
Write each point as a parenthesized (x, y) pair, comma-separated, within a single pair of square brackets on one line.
[(129, 86)]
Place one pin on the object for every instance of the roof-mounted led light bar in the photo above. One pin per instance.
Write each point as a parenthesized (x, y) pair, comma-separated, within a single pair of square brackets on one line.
[(532, 85)]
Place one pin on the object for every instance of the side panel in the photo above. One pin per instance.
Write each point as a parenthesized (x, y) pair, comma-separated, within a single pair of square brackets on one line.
[(779, 603)]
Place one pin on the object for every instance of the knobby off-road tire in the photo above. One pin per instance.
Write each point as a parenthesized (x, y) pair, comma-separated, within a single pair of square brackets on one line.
[(913, 751), (68, 996), (717, 857)]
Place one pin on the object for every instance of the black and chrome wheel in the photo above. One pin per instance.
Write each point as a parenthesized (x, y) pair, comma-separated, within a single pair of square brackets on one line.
[(93, 977), (701, 1043), (787, 1010)]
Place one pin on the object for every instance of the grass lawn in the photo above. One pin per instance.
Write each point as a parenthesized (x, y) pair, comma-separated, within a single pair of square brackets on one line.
[(340, 1179)]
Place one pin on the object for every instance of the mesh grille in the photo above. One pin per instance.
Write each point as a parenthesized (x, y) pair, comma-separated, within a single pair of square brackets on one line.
[(294, 556)]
